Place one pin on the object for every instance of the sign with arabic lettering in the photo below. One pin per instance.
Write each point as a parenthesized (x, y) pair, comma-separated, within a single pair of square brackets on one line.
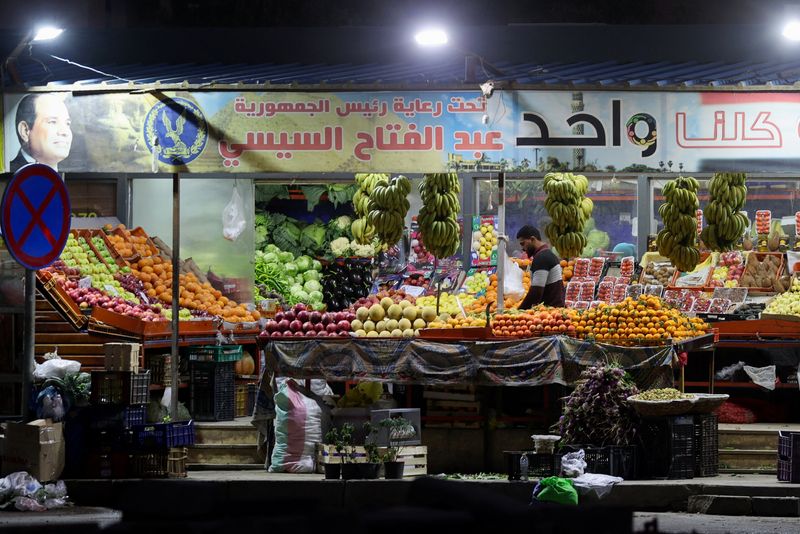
[(205, 132)]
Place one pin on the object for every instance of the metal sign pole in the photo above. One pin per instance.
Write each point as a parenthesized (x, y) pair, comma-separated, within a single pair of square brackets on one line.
[(176, 292), (501, 241), (29, 340)]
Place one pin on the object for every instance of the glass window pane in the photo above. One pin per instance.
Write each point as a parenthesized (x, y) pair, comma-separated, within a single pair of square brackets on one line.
[(202, 203), (613, 218), (92, 198)]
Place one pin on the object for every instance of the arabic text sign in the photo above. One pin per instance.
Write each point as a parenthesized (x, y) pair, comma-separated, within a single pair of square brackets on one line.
[(425, 131), (35, 216)]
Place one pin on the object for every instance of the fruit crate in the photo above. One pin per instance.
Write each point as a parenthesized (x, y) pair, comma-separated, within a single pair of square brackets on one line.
[(669, 445), (539, 465), (761, 256), (212, 391), (216, 353), (160, 369), (113, 417), (617, 461), (150, 464), (60, 300), (120, 387), (706, 445), (789, 456), (176, 462), (163, 435), (245, 399)]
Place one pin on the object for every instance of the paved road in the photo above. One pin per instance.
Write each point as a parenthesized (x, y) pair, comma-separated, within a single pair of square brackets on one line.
[(674, 523)]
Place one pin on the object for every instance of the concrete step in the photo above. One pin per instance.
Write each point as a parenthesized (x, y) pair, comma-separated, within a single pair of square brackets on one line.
[(751, 437), (224, 454), (226, 467), (744, 505), (734, 460)]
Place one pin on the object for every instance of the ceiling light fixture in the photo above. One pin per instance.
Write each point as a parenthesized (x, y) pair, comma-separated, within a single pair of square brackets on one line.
[(431, 37)]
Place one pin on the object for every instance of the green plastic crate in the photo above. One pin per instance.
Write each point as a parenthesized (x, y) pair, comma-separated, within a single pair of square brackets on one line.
[(216, 353)]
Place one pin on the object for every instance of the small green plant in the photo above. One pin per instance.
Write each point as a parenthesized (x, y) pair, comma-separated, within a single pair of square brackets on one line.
[(371, 448), (332, 438), (344, 443), (397, 429)]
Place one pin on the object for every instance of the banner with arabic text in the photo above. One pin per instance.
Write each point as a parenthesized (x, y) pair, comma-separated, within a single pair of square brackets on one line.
[(209, 132)]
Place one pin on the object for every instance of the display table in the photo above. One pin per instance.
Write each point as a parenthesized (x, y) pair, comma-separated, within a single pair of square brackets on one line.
[(523, 362)]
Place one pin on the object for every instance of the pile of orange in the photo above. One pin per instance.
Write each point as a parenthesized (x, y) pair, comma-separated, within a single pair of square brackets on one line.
[(535, 322), (156, 275), (128, 245), (490, 297), (567, 269), (643, 321)]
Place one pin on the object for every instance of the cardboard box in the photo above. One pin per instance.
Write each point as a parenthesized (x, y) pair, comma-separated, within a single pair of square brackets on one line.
[(36, 447), (122, 357)]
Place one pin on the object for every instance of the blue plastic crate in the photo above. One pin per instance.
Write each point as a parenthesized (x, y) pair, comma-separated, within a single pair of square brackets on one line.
[(163, 435)]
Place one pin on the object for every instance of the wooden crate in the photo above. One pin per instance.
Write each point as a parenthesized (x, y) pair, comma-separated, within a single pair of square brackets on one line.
[(415, 458)]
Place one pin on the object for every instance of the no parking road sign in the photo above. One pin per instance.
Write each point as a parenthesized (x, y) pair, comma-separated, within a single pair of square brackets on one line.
[(35, 216)]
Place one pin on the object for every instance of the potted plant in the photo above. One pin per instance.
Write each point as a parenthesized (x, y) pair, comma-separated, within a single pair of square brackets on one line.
[(349, 467), (371, 468), (397, 430), (333, 437)]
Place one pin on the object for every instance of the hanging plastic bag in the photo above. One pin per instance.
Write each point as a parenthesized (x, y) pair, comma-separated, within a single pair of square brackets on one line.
[(233, 221), (762, 376), (512, 279), (556, 489)]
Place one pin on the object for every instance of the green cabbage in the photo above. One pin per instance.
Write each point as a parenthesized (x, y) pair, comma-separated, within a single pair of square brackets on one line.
[(318, 306), (271, 257), (312, 285), (290, 268), (315, 296), (316, 266), (311, 275), (285, 257), (303, 263)]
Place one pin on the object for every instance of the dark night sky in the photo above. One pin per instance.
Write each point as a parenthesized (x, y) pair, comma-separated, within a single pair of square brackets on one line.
[(263, 13)]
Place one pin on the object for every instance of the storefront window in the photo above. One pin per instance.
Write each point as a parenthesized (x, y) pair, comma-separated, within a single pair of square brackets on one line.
[(92, 198), (613, 219), (781, 197), (226, 263)]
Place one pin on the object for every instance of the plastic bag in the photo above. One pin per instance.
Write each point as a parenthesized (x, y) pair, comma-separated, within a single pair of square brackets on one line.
[(233, 221), (763, 376), (595, 483), (556, 489), (512, 279), (573, 464), (50, 405), (55, 368)]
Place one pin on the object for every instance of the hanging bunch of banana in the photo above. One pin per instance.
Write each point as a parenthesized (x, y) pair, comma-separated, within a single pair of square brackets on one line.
[(678, 240), (569, 208), (363, 231), (726, 222), (388, 206), (438, 217)]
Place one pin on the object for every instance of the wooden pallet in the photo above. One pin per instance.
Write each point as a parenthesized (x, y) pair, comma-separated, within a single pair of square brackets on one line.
[(415, 458)]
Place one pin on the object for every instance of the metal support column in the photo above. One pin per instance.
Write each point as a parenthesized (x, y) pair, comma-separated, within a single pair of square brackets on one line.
[(502, 238), (643, 206), (468, 210), (29, 340), (176, 291)]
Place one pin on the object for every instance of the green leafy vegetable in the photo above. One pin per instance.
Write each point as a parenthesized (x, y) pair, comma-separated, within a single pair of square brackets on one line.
[(266, 192), (313, 193)]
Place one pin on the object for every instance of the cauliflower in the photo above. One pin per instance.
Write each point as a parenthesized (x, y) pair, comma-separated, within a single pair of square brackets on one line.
[(340, 247), (364, 251)]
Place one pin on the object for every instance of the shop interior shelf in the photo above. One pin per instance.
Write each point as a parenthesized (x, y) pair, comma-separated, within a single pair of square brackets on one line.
[(739, 385)]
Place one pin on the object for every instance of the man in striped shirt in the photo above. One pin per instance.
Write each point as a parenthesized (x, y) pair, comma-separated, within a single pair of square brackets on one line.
[(547, 286)]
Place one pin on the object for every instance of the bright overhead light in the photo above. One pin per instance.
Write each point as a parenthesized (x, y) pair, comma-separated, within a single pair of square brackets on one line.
[(792, 30), (431, 37), (47, 32)]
